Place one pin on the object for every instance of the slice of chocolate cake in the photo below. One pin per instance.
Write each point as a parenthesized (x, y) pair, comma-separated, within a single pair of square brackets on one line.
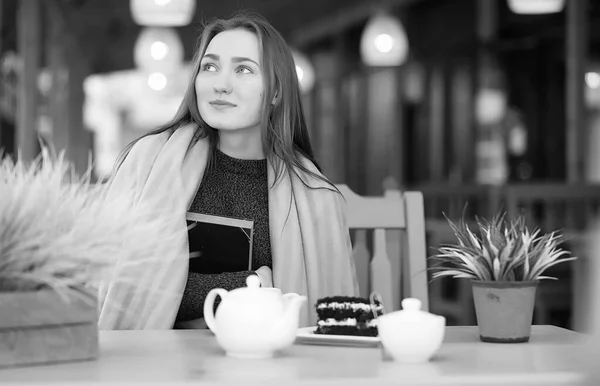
[(346, 315)]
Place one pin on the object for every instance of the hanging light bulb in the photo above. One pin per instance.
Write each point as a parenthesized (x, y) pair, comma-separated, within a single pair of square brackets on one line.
[(157, 81), (158, 49), (491, 99), (384, 42), (592, 83), (490, 106), (592, 80), (163, 12), (44, 82), (304, 71), (536, 7)]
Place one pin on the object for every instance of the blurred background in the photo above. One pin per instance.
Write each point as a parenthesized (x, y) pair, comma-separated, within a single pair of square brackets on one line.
[(494, 103)]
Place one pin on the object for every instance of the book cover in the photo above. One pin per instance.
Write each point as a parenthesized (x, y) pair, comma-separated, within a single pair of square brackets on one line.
[(219, 244)]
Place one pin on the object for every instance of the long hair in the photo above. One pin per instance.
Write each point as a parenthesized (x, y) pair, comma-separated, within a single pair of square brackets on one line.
[(285, 135)]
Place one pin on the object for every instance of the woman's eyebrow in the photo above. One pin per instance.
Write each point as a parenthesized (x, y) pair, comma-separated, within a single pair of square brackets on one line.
[(211, 56), (237, 59)]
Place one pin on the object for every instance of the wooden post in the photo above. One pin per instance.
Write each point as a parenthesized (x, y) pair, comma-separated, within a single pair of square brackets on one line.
[(328, 128), (384, 134), (1, 24), (354, 90), (463, 139), (68, 66), (487, 20), (491, 160), (576, 54), (81, 144), (57, 65), (29, 47), (437, 112), (486, 32)]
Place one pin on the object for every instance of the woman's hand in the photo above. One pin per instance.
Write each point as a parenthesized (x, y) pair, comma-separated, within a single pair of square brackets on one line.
[(265, 275)]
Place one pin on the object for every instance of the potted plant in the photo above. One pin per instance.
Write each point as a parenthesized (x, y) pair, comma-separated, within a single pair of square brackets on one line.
[(59, 237), (505, 260)]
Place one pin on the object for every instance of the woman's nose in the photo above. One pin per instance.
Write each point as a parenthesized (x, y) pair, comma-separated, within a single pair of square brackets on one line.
[(223, 85), (222, 89)]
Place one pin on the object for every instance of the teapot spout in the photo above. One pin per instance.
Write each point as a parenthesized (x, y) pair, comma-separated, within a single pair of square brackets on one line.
[(284, 333)]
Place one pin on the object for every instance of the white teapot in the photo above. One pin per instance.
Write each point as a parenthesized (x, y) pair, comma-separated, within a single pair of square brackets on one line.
[(411, 335), (253, 322)]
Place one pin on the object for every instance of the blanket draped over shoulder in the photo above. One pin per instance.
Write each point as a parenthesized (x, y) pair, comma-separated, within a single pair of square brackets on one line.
[(310, 240)]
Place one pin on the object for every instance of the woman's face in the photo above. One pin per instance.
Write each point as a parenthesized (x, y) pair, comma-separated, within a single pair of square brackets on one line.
[(229, 85)]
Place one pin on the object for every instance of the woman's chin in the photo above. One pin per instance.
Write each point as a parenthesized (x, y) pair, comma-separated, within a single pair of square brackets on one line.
[(218, 124), (225, 126)]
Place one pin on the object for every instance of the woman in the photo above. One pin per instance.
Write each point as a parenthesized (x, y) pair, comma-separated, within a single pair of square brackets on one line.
[(237, 147)]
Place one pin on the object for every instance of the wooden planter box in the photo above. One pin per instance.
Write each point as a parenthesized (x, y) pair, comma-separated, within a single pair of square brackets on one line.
[(42, 328)]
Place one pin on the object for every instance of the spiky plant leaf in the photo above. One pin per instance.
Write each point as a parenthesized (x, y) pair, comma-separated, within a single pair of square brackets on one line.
[(499, 250)]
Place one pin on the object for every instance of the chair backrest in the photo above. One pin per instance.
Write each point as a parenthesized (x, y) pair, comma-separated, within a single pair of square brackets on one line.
[(398, 267)]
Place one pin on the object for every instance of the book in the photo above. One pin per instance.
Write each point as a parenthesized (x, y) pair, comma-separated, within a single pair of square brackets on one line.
[(219, 244)]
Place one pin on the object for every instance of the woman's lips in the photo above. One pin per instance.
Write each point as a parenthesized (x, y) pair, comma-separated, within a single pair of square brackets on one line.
[(221, 104)]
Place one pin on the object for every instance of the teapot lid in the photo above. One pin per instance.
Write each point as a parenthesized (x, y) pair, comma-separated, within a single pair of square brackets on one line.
[(252, 292), (252, 284), (411, 312), (253, 281)]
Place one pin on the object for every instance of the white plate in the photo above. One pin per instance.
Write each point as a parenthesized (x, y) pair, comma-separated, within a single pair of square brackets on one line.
[(306, 335)]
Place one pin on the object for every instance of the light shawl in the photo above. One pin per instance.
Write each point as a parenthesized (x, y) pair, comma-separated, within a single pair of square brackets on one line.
[(310, 240)]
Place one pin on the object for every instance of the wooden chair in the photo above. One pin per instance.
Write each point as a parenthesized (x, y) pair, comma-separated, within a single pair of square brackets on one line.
[(398, 267)]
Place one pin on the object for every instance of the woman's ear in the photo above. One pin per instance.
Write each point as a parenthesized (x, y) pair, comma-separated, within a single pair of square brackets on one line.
[(274, 99)]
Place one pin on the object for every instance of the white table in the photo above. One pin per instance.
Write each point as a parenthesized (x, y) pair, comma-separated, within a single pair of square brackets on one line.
[(553, 356)]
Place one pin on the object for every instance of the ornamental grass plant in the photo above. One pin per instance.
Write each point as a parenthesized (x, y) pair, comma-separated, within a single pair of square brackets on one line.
[(499, 250), (59, 231)]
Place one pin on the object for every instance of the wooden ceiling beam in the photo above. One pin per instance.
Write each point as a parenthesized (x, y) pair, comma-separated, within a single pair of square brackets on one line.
[(330, 25)]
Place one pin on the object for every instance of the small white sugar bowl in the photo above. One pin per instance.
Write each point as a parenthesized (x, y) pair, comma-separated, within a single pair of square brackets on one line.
[(411, 335)]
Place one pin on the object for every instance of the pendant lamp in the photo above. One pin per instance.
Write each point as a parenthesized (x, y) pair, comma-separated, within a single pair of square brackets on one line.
[(491, 99), (172, 13), (490, 106), (384, 41), (592, 88), (158, 49), (304, 71), (536, 7)]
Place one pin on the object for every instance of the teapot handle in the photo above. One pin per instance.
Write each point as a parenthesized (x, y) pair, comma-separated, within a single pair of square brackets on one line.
[(209, 313)]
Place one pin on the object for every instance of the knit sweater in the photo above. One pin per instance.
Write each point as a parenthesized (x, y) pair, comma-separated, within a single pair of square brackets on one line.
[(234, 188)]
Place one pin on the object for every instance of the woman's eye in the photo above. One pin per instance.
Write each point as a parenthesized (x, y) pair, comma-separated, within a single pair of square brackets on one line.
[(208, 67), (244, 70)]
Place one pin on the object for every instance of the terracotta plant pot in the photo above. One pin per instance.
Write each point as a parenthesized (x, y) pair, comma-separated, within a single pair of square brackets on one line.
[(504, 310), (40, 327)]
